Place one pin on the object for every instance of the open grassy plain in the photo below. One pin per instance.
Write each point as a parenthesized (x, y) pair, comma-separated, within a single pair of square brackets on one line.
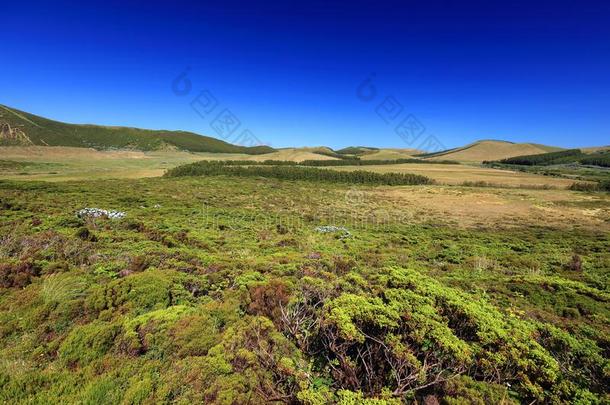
[(65, 163)]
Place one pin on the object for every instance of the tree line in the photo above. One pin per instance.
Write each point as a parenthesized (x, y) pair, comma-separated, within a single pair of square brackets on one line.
[(291, 172), (321, 163), (560, 157)]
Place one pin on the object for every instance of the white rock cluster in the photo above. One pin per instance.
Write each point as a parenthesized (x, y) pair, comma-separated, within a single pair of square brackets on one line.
[(332, 229), (99, 213)]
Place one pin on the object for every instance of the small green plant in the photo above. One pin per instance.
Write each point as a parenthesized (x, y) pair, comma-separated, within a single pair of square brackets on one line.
[(85, 234)]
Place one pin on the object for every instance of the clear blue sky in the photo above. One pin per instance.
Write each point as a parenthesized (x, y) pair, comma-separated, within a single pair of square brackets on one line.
[(534, 71)]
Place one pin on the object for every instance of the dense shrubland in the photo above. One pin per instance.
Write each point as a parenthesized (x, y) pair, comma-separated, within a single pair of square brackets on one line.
[(289, 172), (561, 157), (569, 155), (597, 159), (166, 306)]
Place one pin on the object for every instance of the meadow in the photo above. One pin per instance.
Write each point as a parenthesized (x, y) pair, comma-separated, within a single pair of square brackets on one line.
[(228, 289), (66, 163)]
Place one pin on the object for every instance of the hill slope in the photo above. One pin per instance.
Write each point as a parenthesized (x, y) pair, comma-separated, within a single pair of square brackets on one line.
[(390, 154), (490, 150), (567, 156), (21, 128), (295, 155)]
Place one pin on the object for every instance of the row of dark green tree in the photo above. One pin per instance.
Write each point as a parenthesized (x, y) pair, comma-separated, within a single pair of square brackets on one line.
[(560, 157), (334, 162), (291, 172)]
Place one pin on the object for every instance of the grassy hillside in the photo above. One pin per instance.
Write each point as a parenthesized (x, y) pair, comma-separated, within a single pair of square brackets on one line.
[(595, 149), (489, 150), (320, 150), (295, 155), (390, 154), (569, 156), (356, 150), (21, 128)]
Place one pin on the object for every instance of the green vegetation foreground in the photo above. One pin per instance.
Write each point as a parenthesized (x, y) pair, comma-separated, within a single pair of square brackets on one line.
[(224, 290)]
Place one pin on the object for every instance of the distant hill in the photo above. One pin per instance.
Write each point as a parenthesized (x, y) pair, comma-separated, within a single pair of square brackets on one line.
[(18, 128), (488, 150), (390, 154), (297, 154), (320, 150), (356, 150), (372, 153), (23, 129), (596, 149)]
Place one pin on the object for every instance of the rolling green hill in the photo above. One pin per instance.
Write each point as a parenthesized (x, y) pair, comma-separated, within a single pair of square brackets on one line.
[(21, 128)]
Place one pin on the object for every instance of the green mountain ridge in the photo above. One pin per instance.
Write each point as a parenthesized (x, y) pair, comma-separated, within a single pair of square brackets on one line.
[(24, 129)]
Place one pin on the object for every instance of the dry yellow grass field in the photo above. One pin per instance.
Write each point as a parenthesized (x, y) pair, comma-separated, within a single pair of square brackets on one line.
[(492, 150), (59, 163), (66, 163), (473, 207)]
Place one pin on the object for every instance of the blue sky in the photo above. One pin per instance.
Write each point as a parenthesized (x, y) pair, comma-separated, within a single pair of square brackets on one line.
[(535, 71)]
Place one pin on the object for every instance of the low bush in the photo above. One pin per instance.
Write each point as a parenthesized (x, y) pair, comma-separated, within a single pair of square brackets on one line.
[(87, 343), (140, 292), (408, 332), (581, 186), (85, 234), (18, 275)]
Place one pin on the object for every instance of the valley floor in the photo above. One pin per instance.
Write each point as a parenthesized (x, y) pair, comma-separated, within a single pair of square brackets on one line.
[(63, 163)]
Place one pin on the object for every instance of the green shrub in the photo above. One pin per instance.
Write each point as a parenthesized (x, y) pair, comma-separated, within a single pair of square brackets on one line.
[(105, 390), (88, 342), (465, 390), (140, 292), (580, 186), (18, 275), (84, 233), (148, 333)]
